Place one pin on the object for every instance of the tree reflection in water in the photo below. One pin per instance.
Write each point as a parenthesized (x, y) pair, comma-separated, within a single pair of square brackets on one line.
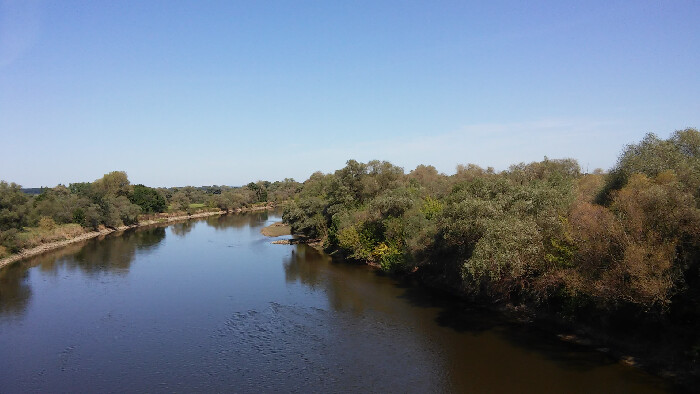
[(305, 265), (250, 219), (347, 286), (112, 256), (14, 290), (182, 228)]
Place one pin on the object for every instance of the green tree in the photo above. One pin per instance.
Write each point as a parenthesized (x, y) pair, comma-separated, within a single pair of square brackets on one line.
[(148, 199), (260, 190), (114, 184), (120, 211), (680, 154), (14, 215), (180, 201), (14, 209)]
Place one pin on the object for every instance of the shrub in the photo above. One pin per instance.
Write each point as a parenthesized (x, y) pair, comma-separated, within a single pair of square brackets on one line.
[(47, 224), (389, 256), (508, 255), (10, 240)]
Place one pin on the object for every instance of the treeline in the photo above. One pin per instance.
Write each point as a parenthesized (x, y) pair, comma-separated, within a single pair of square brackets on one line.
[(541, 234), (112, 201), (190, 198)]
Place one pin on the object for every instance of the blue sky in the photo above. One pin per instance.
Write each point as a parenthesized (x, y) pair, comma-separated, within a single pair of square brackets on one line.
[(206, 92)]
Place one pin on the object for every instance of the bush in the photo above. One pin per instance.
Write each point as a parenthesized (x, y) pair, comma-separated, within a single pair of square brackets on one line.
[(390, 257), (47, 224), (10, 240), (507, 257)]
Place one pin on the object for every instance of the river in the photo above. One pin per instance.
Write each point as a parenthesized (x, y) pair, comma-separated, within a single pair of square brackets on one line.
[(212, 306)]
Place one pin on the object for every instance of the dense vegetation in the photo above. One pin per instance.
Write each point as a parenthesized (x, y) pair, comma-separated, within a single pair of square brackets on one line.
[(539, 234), (61, 212)]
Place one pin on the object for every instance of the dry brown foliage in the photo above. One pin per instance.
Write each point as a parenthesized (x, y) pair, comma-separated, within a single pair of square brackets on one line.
[(588, 186), (626, 253)]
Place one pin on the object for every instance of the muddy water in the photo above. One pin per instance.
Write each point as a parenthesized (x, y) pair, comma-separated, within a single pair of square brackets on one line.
[(211, 305)]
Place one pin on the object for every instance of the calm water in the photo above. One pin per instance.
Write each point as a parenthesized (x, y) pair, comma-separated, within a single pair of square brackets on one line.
[(211, 305)]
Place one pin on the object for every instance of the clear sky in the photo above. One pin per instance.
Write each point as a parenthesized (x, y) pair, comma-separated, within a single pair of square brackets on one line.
[(207, 92)]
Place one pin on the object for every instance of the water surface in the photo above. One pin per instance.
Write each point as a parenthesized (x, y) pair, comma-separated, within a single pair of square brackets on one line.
[(211, 305)]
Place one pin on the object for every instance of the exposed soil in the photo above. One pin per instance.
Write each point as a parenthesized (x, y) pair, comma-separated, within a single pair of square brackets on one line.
[(276, 230)]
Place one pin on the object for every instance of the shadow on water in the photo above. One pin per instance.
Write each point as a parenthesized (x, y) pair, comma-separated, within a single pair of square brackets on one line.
[(112, 255), (464, 317), (345, 286), (305, 266), (475, 341)]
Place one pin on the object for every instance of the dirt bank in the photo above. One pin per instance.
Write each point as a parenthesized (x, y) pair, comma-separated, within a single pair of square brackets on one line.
[(276, 230), (148, 220)]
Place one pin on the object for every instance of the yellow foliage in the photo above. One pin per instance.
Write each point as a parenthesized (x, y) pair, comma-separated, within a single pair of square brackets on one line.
[(647, 267), (349, 238), (47, 223), (380, 250), (431, 207), (666, 177), (588, 186)]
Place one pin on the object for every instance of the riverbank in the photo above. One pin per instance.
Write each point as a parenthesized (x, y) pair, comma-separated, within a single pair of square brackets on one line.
[(148, 220)]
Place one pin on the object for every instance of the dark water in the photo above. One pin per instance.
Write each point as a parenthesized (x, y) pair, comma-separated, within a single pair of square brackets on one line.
[(211, 305)]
